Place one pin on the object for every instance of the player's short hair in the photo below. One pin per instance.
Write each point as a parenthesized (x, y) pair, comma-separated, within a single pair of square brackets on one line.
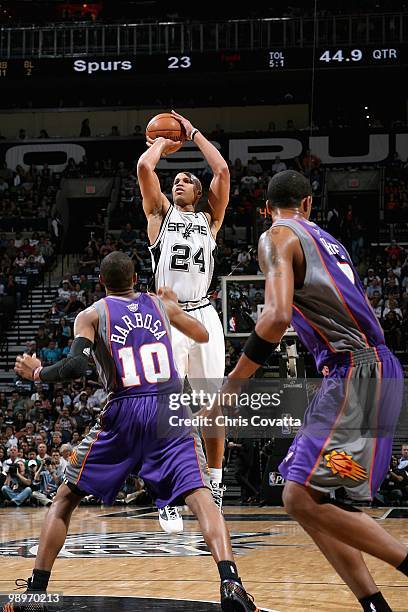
[(117, 271), (287, 189), (196, 182)]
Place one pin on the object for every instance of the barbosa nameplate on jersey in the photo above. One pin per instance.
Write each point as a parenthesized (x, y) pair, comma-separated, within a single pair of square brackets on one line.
[(134, 321)]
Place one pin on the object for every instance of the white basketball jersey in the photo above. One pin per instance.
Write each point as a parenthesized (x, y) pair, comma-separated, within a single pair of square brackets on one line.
[(182, 256)]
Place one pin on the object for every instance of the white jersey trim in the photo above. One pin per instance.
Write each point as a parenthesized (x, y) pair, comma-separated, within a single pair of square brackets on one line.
[(162, 227)]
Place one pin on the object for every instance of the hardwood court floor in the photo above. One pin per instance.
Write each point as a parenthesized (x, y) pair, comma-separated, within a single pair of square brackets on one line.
[(122, 551)]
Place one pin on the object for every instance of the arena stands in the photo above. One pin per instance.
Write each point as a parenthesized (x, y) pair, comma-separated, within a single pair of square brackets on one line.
[(45, 423)]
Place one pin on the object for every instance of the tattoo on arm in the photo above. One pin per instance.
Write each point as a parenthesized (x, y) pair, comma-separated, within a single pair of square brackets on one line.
[(269, 257)]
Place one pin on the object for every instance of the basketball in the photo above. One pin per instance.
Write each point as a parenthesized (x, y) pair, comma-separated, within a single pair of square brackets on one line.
[(167, 126)]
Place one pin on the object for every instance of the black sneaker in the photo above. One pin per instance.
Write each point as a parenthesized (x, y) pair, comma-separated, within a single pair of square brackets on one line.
[(27, 606), (234, 598)]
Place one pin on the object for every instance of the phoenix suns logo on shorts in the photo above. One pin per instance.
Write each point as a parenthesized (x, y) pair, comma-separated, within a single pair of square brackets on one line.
[(344, 465)]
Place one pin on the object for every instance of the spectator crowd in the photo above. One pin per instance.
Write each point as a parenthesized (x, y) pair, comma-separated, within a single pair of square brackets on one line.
[(41, 424)]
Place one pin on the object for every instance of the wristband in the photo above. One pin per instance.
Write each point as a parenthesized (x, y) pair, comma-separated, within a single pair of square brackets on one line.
[(36, 373), (257, 349), (193, 133)]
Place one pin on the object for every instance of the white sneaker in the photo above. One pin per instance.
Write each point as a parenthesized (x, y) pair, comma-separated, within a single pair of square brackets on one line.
[(170, 519), (217, 490)]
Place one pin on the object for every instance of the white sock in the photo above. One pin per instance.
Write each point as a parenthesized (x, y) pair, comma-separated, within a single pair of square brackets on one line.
[(216, 474)]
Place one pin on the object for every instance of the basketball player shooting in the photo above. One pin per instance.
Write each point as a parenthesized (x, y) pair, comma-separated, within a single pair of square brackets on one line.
[(346, 439), (129, 336), (182, 244)]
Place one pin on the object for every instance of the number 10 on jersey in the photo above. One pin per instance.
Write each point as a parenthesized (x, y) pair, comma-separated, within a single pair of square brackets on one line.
[(154, 359)]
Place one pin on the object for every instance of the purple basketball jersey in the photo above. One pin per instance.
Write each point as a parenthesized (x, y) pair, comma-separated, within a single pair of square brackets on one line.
[(331, 313), (133, 351)]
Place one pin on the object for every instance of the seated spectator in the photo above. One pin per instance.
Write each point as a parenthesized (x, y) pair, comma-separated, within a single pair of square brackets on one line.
[(74, 306), (128, 237), (17, 402), (50, 354), (122, 171), (46, 482), (64, 292), (243, 259), (108, 247), (403, 460), (56, 457), (394, 488), (67, 424), (63, 332), (376, 304), (374, 288), (42, 452), (115, 131), (87, 262), (56, 438), (20, 262), (38, 258), (19, 422), (11, 439), (278, 165), (41, 338), (391, 285), (67, 348), (58, 404), (392, 331), (84, 283), (65, 451), (98, 293), (237, 171), (392, 307), (254, 166), (248, 181), (370, 276), (17, 486)]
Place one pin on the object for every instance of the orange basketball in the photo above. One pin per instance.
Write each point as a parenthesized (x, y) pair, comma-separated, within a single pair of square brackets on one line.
[(167, 126)]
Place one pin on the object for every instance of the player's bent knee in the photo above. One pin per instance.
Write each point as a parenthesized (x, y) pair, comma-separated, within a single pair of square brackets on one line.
[(295, 500), (68, 495)]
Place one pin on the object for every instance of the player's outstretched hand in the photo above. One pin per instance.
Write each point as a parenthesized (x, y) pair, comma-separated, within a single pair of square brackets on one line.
[(26, 364), (187, 125), (166, 293), (168, 146)]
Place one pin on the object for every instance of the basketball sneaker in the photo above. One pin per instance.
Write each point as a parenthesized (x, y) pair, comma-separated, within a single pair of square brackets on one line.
[(170, 519), (217, 490), (25, 606), (234, 598)]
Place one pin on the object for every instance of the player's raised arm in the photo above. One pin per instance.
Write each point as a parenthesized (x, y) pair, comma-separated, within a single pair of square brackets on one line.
[(218, 195), (276, 254), (76, 363), (180, 319), (154, 201)]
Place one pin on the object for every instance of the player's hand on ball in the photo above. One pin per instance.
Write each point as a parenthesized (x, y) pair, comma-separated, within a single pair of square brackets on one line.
[(26, 364), (167, 294), (167, 146), (187, 125)]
